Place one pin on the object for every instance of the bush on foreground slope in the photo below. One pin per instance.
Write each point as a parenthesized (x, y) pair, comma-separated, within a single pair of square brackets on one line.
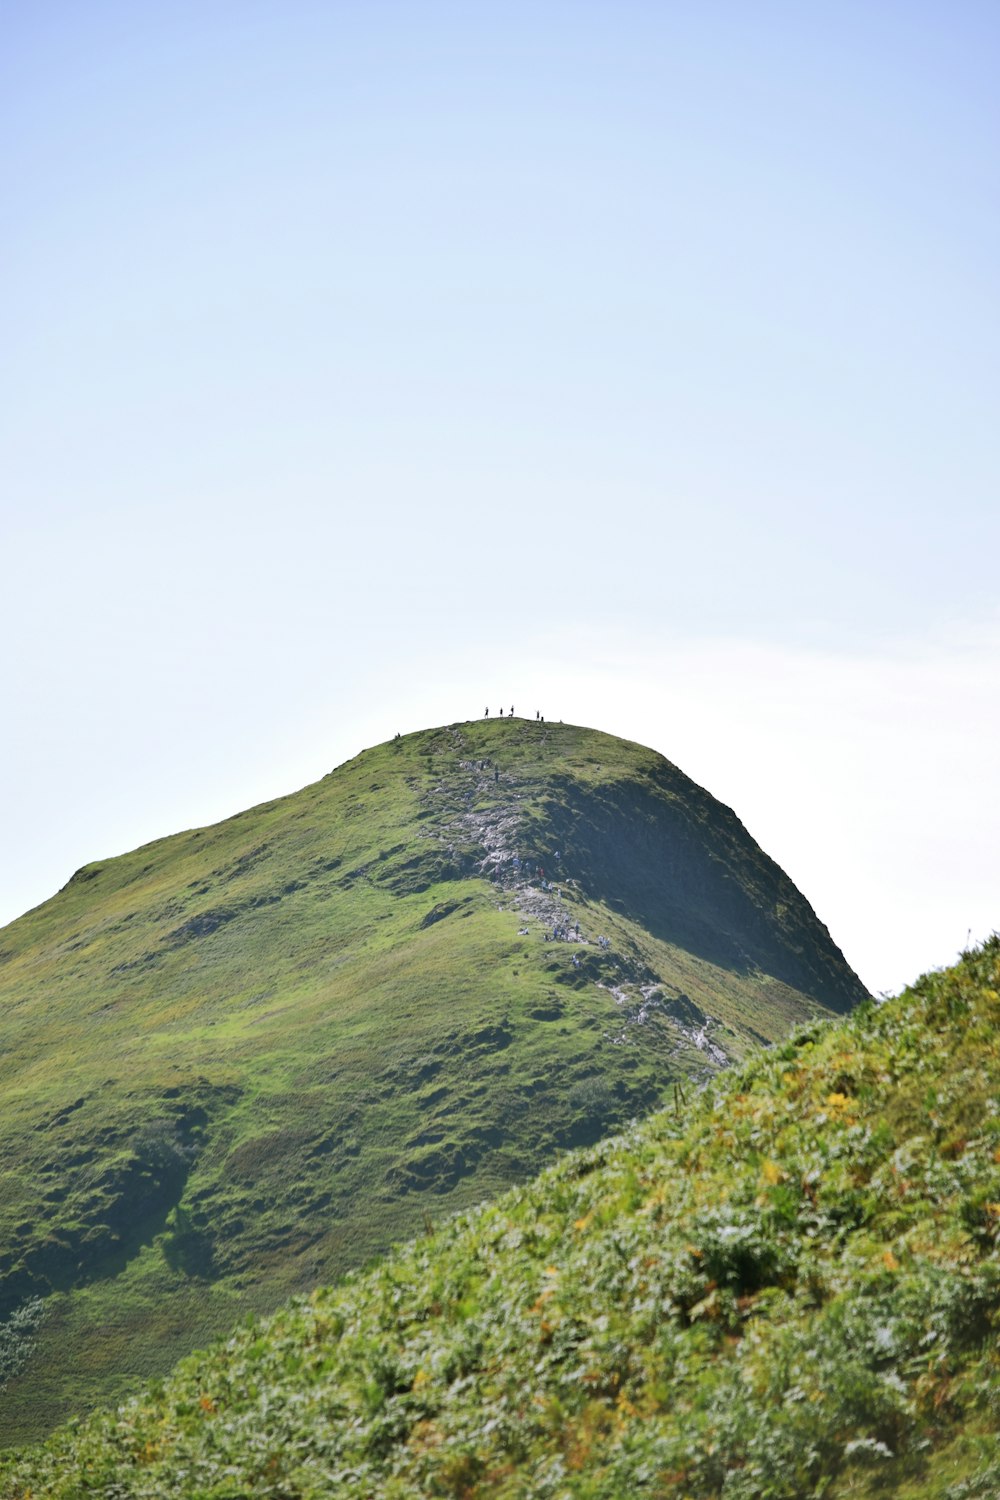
[(793, 1291)]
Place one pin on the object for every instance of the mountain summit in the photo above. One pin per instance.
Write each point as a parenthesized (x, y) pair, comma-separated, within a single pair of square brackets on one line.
[(244, 1058)]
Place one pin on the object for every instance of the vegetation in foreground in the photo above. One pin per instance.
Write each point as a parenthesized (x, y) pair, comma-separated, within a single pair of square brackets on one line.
[(794, 1291), (245, 1058)]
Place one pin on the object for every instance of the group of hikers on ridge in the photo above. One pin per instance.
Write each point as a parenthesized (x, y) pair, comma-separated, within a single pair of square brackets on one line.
[(539, 717)]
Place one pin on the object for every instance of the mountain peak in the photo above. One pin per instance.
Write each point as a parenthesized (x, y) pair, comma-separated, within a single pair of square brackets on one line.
[(246, 1057)]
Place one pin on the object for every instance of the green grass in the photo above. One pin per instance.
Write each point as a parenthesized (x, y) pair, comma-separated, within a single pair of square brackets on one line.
[(792, 1292), (243, 1059)]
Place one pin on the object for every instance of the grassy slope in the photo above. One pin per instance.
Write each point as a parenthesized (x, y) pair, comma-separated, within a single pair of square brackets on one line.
[(237, 1061), (793, 1292)]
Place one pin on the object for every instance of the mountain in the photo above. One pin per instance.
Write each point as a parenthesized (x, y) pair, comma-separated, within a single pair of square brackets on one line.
[(791, 1292), (242, 1059)]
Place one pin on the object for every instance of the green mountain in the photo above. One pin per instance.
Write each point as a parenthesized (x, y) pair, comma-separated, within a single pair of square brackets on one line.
[(242, 1059), (792, 1292)]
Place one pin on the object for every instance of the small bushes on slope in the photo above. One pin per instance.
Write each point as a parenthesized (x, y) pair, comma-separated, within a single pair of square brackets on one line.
[(17, 1337)]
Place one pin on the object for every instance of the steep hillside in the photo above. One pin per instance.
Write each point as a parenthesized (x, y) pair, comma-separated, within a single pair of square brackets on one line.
[(794, 1292), (242, 1059)]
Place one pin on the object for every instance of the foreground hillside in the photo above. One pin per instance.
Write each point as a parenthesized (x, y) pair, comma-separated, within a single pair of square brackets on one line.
[(240, 1060), (793, 1292)]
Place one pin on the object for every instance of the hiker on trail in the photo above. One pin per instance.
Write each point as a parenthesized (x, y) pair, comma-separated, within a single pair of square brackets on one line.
[(537, 714), (487, 714), (512, 710), (501, 713), (496, 774)]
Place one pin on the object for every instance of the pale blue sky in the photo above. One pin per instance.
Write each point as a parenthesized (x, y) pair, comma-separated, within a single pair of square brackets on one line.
[(362, 361)]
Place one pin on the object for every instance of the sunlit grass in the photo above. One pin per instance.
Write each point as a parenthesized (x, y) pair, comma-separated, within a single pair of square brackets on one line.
[(792, 1292)]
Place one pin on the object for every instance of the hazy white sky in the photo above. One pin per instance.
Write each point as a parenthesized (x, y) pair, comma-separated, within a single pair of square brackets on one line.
[(638, 362)]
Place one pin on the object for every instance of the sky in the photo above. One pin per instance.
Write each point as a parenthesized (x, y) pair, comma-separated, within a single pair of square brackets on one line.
[(635, 362)]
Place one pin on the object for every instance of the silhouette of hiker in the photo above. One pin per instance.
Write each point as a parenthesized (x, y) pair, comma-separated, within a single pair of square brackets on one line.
[(537, 714), (512, 710), (487, 714), (501, 713)]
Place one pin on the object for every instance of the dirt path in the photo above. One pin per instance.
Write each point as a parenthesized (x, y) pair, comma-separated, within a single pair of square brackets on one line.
[(470, 814)]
